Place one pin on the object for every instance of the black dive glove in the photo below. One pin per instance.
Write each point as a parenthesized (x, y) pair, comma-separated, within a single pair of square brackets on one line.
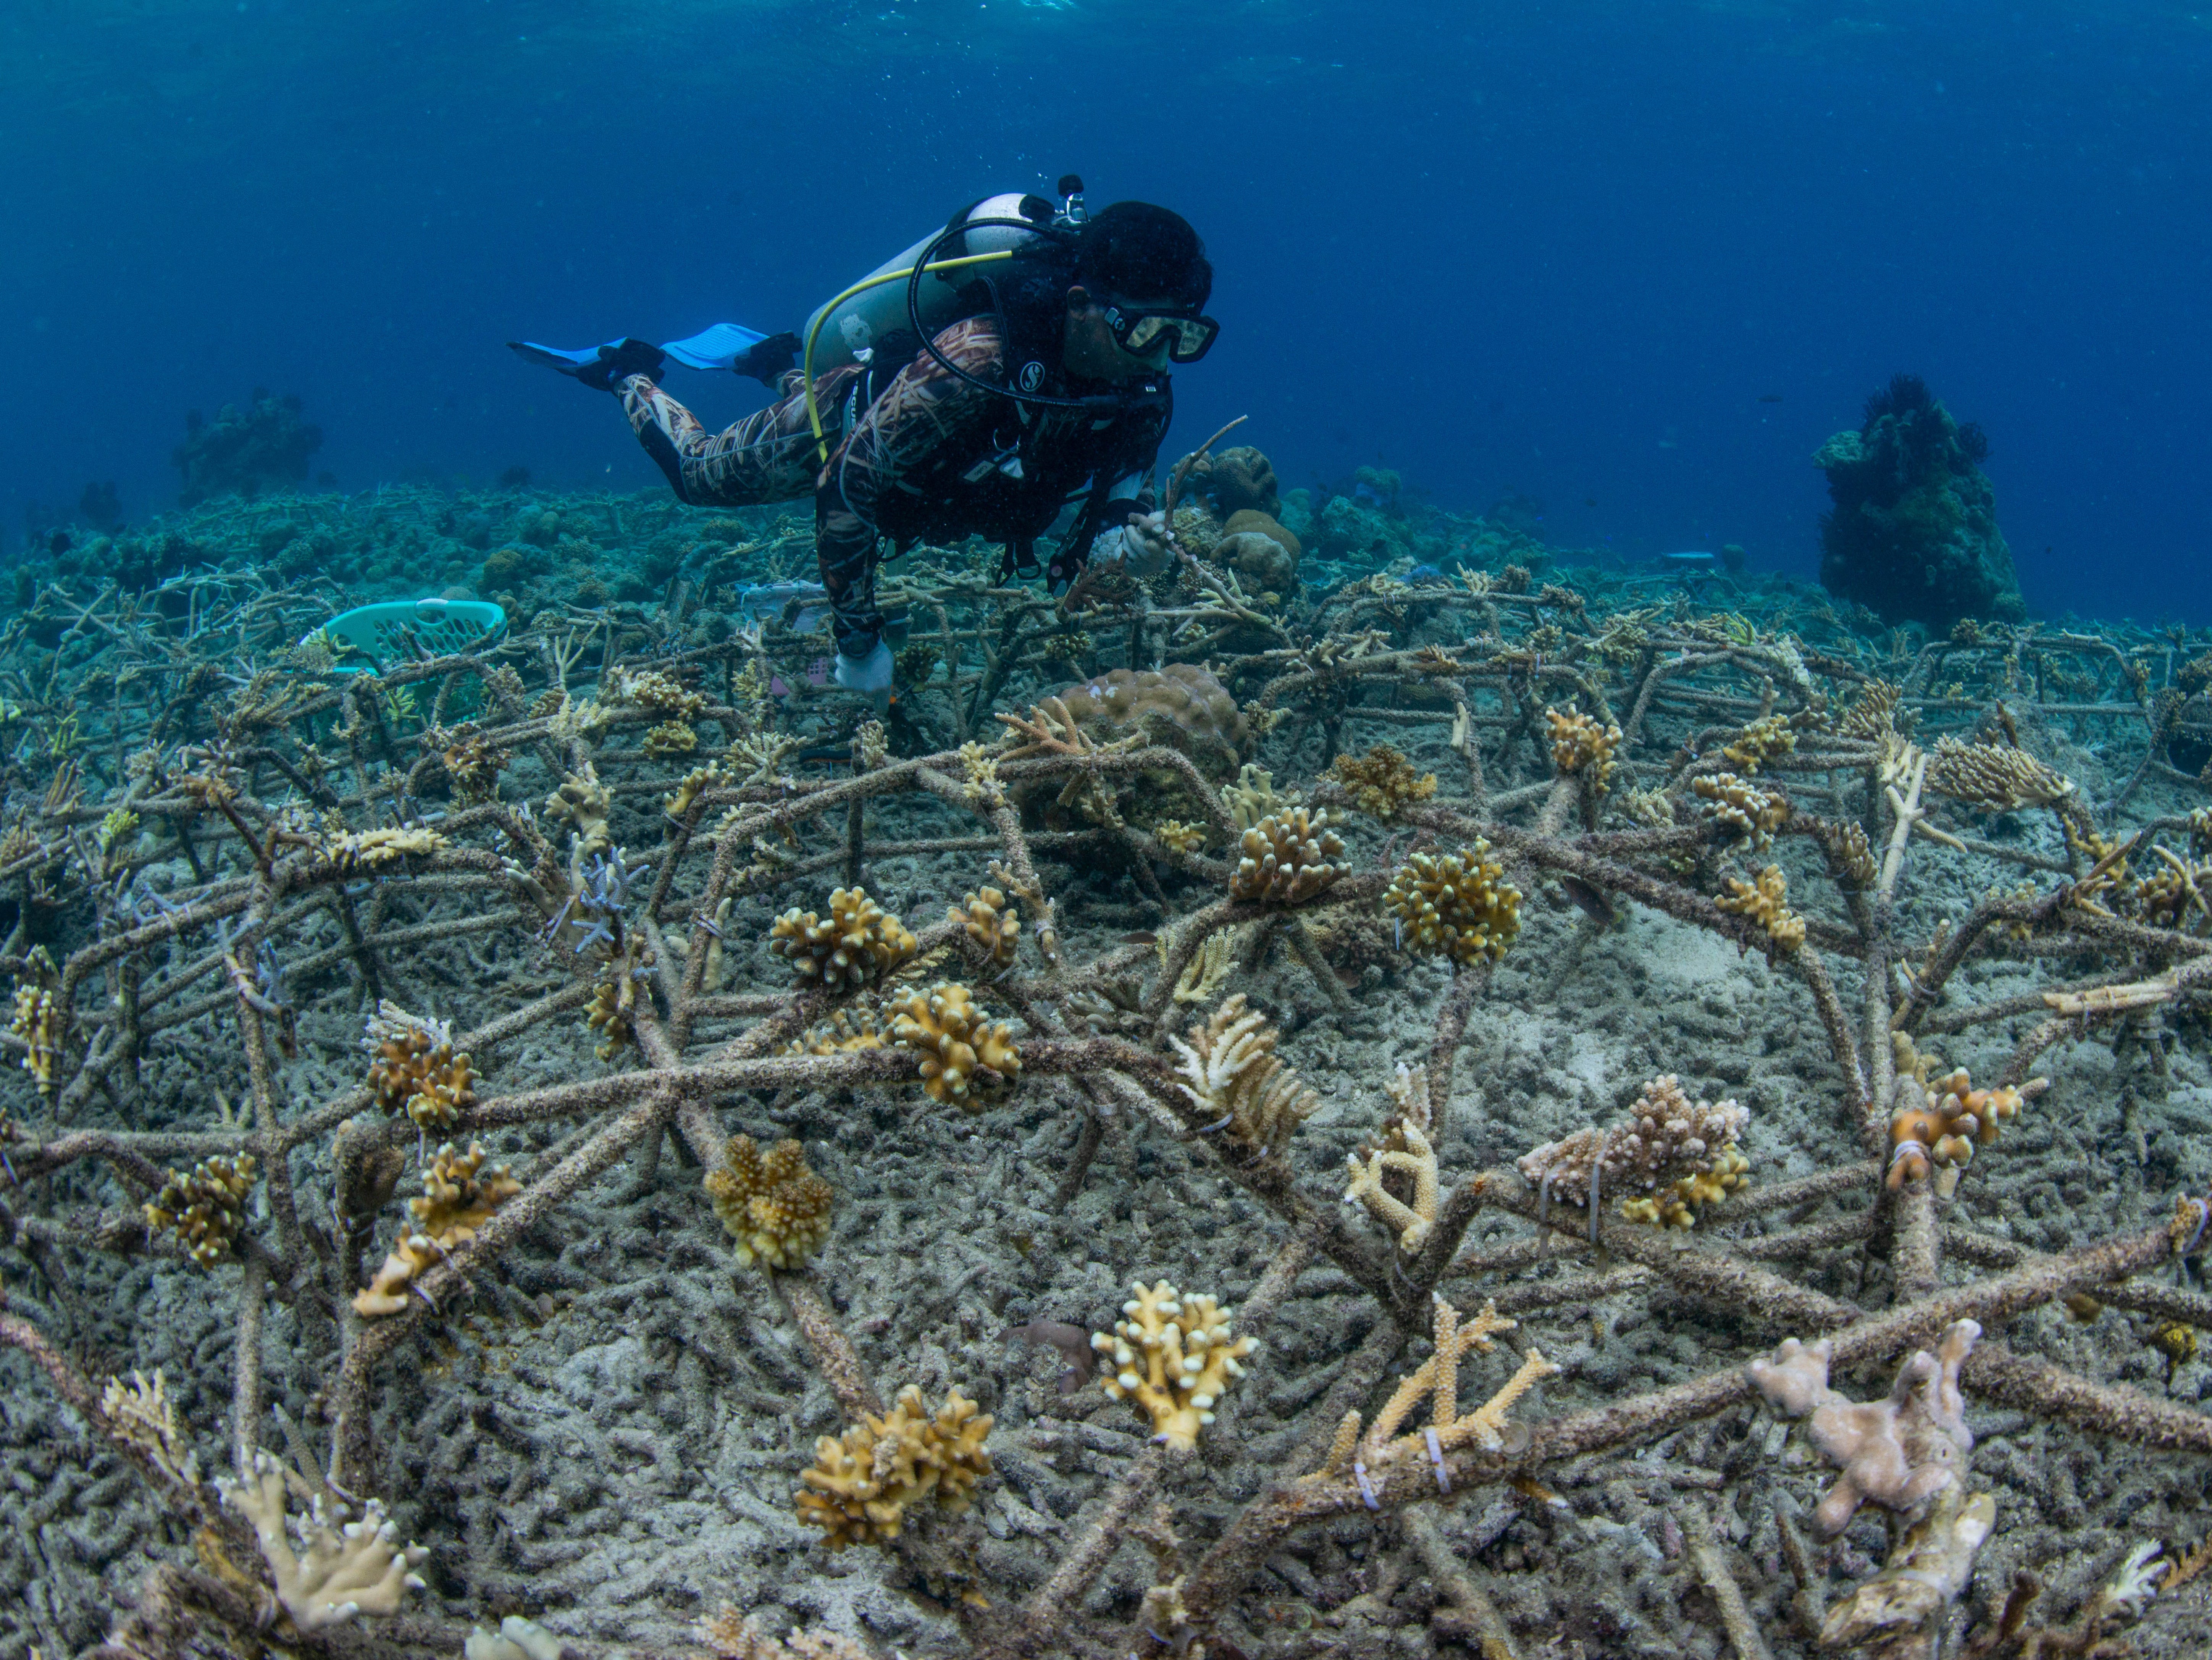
[(617, 362)]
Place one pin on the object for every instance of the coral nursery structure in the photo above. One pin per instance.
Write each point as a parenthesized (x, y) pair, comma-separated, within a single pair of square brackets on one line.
[(562, 1208)]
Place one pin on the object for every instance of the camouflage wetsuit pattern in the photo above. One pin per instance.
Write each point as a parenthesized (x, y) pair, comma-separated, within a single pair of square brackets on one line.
[(921, 460)]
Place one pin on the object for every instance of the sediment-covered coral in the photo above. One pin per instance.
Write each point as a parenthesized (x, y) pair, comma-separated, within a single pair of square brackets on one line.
[(1287, 859), (858, 944), (1580, 745), (1913, 530), (1229, 1068), (964, 1056), (413, 1068), (847, 1029), (1994, 778), (1460, 905), (358, 852), (459, 1195), (1382, 781), (347, 1570), (1173, 1353), (1765, 901), (861, 1486), (1673, 1155), (204, 1206), (775, 1207)]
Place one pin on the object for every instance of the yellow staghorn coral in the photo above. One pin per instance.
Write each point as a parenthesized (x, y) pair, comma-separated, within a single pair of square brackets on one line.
[(670, 738), (1287, 859), (1939, 1118), (861, 1486), (1384, 782), (1174, 1355), (677, 802), (582, 804), (775, 1207), (1744, 811), (38, 1021), (1762, 741), (1766, 903), (413, 1068), (1229, 1068), (1460, 905), (962, 1056), (204, 1206), (861, 942), (1205, 973), (1994, 778), (1673, 1155), (1579, 745), (1382, 1452), (458, 1196), (1404, 1151), (994, 925), (845, 1032)]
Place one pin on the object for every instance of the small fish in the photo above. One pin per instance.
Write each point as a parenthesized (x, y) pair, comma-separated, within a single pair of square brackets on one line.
[(1688, 557), (1423, 573), (1770, 397), (1140, 938)]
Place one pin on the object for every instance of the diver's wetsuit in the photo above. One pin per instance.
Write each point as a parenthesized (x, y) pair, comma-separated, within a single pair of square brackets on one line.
[(926, 457)]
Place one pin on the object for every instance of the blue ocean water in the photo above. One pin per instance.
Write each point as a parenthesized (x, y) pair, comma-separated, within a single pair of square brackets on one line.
[(1629, 262)]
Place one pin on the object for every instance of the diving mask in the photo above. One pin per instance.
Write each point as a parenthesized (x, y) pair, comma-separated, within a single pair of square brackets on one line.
[(1140, 330)]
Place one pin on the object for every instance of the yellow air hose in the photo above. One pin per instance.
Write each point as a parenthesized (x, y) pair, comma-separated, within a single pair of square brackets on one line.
[(807, 364)]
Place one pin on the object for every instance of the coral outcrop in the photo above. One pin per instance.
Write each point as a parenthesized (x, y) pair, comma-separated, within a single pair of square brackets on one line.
[(861, 1485), (1173, 1353), (1182, 707), (857, 945), (774, 1206), (1913, 532), (241, 451), (1232, 1072), (204, 1206), (964, 1058), (1673, 1155), (1460, 905), (459, 1195), (1239, 479), (1288, 859)]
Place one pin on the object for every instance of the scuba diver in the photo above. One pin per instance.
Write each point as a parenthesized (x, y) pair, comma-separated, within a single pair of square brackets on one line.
[(1002, 369)]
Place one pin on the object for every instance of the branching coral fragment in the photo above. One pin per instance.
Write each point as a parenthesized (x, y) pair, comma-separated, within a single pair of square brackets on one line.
[(414, 1069), (1766, 903), (204, 1206), (964, 1056), (775, 1207), (860, 1486), (994, 926), (1173, 1354), (1940, 1119), (1460, 905), (1383, 781), (1229, 1068), (861, 942), (1744, 811), (1580, 744), (1673, 1154), (459, 1195), (1763, 740), (1287, 859), (1994, 778), (38, 1021), (354, 1568)]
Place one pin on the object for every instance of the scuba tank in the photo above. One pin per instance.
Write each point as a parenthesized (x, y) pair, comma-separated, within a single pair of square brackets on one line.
[(847, 328)]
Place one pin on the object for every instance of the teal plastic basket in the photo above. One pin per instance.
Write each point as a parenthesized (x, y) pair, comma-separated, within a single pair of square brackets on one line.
[(392, 634)]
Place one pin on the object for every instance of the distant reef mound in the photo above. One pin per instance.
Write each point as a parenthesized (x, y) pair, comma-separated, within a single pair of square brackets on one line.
[(1913, 533), (242, 451)]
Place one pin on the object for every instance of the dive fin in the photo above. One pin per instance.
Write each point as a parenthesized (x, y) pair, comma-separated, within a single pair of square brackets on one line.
[(725, 346)]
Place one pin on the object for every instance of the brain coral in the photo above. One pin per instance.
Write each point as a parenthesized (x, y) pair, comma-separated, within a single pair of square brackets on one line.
[(1181, 706)]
